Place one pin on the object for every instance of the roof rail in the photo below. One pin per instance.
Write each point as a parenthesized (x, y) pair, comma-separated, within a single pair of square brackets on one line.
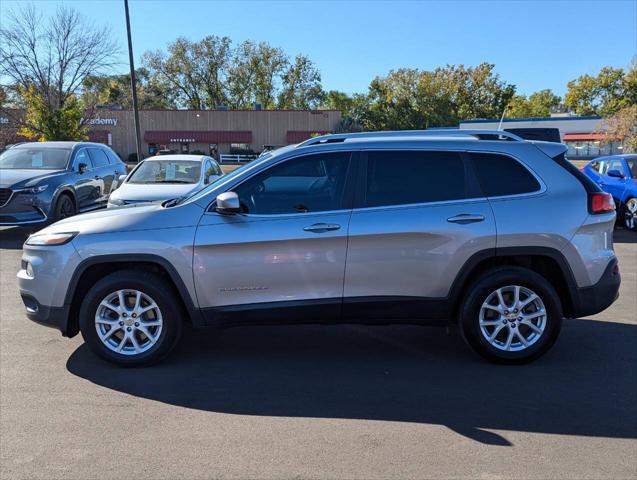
[(442, 132)]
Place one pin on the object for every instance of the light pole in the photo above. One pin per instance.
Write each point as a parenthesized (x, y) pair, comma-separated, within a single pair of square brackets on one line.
[(133, 84)]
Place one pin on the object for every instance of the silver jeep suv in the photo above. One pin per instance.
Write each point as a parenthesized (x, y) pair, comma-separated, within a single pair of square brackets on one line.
[(481, 228)]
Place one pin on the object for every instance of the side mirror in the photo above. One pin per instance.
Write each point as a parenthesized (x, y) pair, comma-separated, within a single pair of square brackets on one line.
[(121, 179), (615, 173), (82, 167), (228, 203)]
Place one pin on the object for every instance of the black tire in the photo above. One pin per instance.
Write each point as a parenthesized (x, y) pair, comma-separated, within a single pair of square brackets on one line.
[(149, 284), (626, 216), (482, 288), (64, 207)]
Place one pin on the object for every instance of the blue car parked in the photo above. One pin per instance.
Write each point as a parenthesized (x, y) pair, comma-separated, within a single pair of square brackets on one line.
[(617, 175), (42, 182)]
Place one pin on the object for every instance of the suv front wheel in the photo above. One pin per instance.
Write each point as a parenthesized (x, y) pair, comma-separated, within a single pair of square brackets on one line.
[(511, 315), (131, 318)]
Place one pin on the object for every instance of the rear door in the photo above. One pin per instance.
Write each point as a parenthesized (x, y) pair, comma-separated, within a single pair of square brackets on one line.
[(104, 172), (614, 185), (418, 218)]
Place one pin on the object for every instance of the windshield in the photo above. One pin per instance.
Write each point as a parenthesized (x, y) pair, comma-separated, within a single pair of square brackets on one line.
[(196, 195), (34, 158), (166, 171)]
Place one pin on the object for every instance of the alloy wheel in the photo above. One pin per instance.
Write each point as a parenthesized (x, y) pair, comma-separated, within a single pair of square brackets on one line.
[(512, 318), (630, 214), (66, 208), (128, 322)]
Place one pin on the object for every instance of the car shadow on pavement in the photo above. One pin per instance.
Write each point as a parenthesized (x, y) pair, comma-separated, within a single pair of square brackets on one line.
[(13, 238), (624, 236), (587, 385)]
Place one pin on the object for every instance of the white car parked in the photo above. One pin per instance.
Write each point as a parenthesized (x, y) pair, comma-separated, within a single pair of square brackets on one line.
[(165, 177)]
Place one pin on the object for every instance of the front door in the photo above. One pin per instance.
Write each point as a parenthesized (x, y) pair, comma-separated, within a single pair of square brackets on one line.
[(615, 185), (88, 188), (418, 218), (284, 257)]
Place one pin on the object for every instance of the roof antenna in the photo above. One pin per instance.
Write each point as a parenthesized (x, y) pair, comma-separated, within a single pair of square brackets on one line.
[(506, 107)]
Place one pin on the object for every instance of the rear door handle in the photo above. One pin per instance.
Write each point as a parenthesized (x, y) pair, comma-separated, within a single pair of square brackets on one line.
[(465, 218), (321, 227)]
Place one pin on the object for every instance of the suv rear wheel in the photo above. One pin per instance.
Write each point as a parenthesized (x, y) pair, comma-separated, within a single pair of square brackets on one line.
[(511, 315), (131, 318)]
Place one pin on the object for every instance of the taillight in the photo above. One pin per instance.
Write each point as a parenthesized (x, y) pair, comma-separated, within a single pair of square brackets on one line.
[(602, 203)]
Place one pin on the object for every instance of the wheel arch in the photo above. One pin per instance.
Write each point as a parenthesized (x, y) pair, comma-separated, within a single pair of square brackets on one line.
[(94, 268), (64, 190), (545, 261)]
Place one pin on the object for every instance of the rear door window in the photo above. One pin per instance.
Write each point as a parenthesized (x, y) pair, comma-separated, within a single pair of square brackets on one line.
[(401, 177), (99, 157), (501, 175)]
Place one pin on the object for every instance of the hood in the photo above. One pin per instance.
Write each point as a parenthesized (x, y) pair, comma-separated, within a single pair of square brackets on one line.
[(10, 177), (140, 192), (129, 218)]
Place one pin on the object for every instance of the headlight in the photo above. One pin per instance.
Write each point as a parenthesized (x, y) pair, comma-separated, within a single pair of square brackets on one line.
[(51, 238), (33, 190)]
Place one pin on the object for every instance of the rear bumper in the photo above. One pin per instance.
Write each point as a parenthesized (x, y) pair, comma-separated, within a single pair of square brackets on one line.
[(54, 317), (598, 297)]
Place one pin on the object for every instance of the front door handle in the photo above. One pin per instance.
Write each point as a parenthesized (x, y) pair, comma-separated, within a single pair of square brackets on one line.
[(321, 227), (465, 218)]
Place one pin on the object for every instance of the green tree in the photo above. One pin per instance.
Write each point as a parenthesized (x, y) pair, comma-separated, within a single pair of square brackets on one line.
[(41, 123), (415, 99), (538, 104), (611, 90), (301, 85), (115, 91), (193, 73)]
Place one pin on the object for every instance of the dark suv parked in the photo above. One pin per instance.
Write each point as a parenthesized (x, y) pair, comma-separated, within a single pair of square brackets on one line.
[(43, 181)]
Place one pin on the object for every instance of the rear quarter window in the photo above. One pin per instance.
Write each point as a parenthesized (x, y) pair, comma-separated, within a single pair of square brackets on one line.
[(501, 175)]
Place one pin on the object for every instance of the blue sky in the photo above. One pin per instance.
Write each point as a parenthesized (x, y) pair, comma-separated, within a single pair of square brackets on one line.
[(534, 44)]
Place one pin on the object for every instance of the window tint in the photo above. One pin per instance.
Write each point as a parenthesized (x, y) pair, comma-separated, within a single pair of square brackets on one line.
[(312, 183), (404, 177), (112, 157), (616, 165), (99, 157), (500, 175), (208, 171), (82, 157)]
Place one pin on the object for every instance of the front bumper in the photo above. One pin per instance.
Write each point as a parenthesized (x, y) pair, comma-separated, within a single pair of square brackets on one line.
[(43, 282), (32, 217), (24, 210), (598, 297), (54, 317)]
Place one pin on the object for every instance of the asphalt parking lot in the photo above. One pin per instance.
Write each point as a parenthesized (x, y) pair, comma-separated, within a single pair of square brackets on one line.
[(320, 402)]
